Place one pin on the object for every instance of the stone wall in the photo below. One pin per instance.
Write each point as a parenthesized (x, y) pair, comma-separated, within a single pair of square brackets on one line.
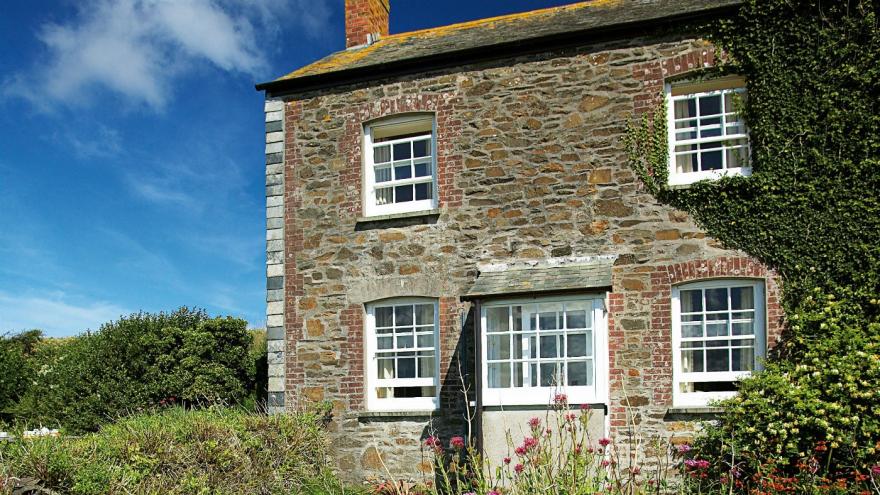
[(530, 165)]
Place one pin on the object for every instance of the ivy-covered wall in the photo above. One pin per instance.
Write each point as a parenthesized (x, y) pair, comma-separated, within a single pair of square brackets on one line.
[(811, 211)]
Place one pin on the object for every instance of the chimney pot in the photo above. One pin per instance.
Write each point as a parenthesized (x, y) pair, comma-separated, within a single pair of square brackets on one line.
[(365, 18)]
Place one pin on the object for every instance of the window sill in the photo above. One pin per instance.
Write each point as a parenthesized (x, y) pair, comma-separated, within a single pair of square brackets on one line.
[(694, 411), (379, 415), (398, 219)]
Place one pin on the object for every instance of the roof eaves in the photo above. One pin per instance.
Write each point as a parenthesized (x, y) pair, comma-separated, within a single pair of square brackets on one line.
[(471, 55)]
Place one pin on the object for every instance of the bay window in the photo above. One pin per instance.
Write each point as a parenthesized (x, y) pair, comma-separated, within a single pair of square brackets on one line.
[(533, 349)]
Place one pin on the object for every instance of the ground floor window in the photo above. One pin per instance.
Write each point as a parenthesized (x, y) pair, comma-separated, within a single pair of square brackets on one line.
[(718, 336), (533, 349), (402, 355)]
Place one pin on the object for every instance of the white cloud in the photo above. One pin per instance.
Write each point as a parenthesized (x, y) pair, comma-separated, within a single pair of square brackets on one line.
[(54, 313), (136, 48)]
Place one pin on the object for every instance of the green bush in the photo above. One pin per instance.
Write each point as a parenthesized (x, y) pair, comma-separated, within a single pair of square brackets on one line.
[(139, 362), (179, 451), (16, 368)]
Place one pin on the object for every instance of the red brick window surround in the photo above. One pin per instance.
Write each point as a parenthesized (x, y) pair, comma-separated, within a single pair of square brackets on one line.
[(447, 131)]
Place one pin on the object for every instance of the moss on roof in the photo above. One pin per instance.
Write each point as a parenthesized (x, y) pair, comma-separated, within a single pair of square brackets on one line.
[(503, 30)]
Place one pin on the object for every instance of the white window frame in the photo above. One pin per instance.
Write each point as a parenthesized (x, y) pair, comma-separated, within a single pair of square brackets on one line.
[(516, 396), (372, 373), (679, 179), (702, 399), (369, 175)]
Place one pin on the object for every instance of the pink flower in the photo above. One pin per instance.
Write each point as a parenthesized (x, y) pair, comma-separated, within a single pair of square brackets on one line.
[(520, 451), (456, 443), (585, 407), (604, 463), (493, 492), (604, 442), (530, 442), (696, 464), (548, 431), (876, 470), (507, 460), (535, 423), (434, 443), (518, 468), (560, 399), (683, 448), (570, 417)]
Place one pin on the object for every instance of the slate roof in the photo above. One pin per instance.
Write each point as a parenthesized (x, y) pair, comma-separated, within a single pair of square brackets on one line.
[(420, 50), (543, 276)]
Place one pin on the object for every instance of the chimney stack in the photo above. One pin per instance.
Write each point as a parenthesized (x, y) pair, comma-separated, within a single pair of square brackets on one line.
[(363, 18)]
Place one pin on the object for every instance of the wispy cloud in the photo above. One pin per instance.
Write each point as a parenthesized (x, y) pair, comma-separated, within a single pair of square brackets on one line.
[(54, 313), (136, 48), (100, 142)]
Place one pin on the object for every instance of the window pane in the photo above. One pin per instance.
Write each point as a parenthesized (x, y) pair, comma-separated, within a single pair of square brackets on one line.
[(384, 196), (747, 328), (517, 318), (736, 157), (717, 360), (711, 160), (710, 105), (691, 301), (577, 345), (406, 367), (691, 331), (497, 319), (402, 171), (742, 298), (403, 315), (403, 194), (549, 347), (422, 148), (426, 367), (402, 151), (498, 347), (499, 375), (518, 378), (423, 191), (426, 340), (580, 374), (518, 351), (686, 163), (743, 360), (576, 319), (547, 321), (386, 368), (385, 343), (550, 374), (692, 361), (685, 108), (692, 318), (382, 154), (404, 341), (716, 299), (384, 316), (383, 174), (716, 329), (423, 169), (424, 314)]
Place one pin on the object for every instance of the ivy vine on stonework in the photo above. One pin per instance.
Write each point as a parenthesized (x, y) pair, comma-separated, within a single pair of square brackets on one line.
[(809, 210)]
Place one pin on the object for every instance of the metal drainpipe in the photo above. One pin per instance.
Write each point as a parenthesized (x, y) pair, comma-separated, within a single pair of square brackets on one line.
[(478, 376)]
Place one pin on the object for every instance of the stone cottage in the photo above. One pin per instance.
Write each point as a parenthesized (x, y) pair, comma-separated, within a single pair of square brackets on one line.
[(453, 230)]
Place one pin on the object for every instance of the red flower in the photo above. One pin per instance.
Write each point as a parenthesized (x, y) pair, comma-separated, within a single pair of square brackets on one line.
[(560, 399), (604, 442), (507, 460), (456, 443), (518, 468), (535, 423)]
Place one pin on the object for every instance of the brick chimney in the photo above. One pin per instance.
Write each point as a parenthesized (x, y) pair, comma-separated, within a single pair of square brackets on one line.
[(365, 17)]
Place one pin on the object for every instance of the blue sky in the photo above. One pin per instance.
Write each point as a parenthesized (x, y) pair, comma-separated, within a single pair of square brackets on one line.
[(131, 148)]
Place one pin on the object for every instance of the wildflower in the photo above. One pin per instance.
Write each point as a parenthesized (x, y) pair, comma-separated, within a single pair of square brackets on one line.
[(696, 464), (560, 399), (548, 431), (520, 451), (604, 441), (683, 448), (456, 443), (585, 407), (530, 443), (875, 470), (494, 492), (535, 423), (570, 417), (434, 443), (605, 463), (518, 468), (507, 460)]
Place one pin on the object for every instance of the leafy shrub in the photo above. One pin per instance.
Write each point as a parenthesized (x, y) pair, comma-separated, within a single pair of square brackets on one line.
[(138, 362), (16, 368), (179, 451)]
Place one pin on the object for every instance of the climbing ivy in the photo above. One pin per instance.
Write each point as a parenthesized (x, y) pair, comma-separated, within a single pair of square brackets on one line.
[(810, 210)]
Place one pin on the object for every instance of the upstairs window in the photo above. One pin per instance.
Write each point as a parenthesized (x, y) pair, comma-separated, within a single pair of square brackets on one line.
[(402, 355), (707, 137), (718, 338), (401, 169)]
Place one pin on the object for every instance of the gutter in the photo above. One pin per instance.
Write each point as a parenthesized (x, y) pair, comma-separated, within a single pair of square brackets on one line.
[(473, 55)]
